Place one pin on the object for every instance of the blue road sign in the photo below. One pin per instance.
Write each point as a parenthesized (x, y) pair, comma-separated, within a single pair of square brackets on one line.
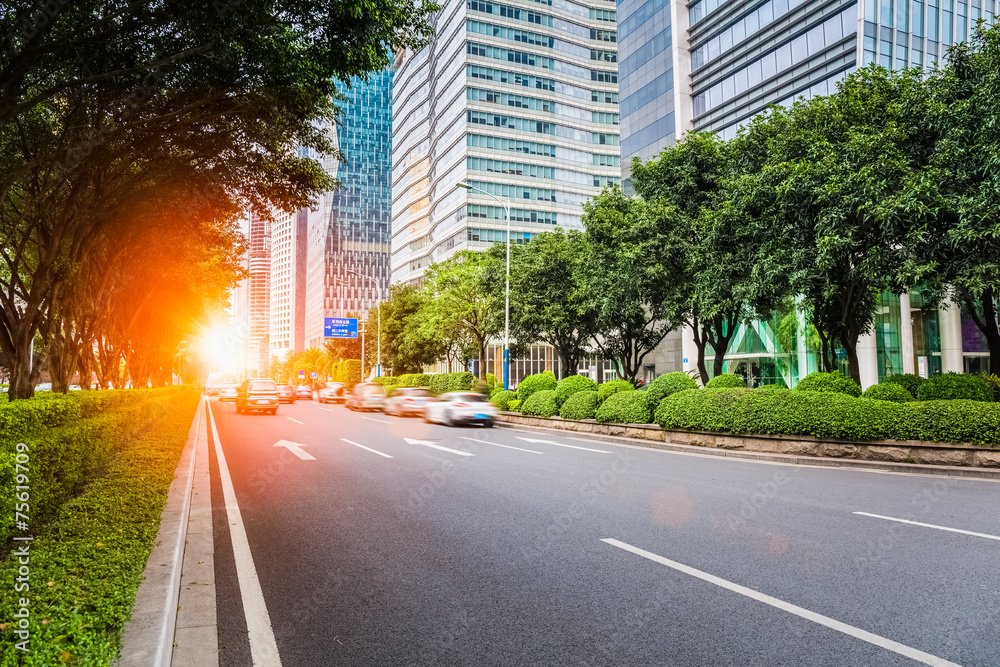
[(340, 327), (312, 374)]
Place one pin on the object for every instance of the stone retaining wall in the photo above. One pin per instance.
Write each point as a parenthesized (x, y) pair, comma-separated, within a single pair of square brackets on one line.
[(896, 451)]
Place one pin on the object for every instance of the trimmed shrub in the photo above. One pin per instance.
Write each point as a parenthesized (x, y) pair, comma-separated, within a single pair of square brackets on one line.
[(951, 386), (544, 381), (955, 420), (889, 391), (908, 381), (514, 404), (347, 371), (613, 387), (581, 405), (491, 383), (496, 390), (501, 399), (726, 380), (572, 384), (667, 384), (829, 382), (541, 404), (698, 409), (625, 407), (463, 381)]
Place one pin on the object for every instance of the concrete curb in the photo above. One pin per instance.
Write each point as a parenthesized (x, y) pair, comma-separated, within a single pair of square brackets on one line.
[(149, 637), (826, 462)]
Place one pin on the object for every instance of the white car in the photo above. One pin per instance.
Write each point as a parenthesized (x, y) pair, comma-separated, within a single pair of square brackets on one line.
[(460, 408), (227, 393), (407, 401)]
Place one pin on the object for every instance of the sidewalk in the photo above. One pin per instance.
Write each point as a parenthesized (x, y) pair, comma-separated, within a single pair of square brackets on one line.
[(173, 621)]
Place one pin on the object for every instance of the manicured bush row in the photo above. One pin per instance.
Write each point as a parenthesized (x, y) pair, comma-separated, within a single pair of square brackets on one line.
[(581, 405), (950, 386), (667, 384), (888, 392), (625, 407), (514, 404), (572, 384), (442, 383), (543, 381), (829, 382), (87, 562), (725, 380), (830, 415), (501, 399), (613, 387), (347, 371), (908, 381), (541, 404)]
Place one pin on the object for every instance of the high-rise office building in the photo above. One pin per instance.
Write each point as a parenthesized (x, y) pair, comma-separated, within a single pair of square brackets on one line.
[(714, 64), (520, 99), (259, 296), (349, 239), (287, 300)]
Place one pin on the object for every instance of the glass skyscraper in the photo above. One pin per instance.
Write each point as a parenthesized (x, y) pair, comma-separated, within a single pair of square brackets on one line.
[(349, 237), (521, 99)]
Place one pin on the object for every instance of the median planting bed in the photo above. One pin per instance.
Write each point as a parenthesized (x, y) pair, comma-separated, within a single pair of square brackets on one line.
[(99, 467)]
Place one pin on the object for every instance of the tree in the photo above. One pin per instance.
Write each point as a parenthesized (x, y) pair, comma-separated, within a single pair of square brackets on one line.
[(822, 208), (456, 306), (404, 348), (546, 300), (626, 297)]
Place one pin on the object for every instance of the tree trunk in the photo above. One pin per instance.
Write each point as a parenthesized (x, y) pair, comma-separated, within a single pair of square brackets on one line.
[(984, 313), (22, 382), (700, 339), (850, 343)]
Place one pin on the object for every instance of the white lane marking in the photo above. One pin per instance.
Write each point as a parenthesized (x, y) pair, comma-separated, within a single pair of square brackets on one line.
[(436, 446), (558, 444), (381, 421), (857, 633), (325, 409), (497, 444), (263, 648), (931, 525), (295, 448), (295, 420), (373, 451)]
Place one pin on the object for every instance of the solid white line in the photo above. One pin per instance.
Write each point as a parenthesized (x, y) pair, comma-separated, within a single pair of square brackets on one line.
[(263, 648), (373, 451), (295, 420), (558, 444), (372, 419), (931, 525), (863, 635), (497, 444), (436, 446), (325, 409)]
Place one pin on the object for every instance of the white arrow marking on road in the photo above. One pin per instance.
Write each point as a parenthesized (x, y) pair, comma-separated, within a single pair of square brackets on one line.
[(436, 446), (295, 448), (559, 444)]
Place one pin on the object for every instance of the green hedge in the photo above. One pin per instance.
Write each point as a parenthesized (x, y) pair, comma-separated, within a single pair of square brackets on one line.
[(889, 391), (667, 384), (726, 380), (501, 399), (625, 407), (514, 404), (571, 384), (95, 544), (543, 381), (950, 386), (347, 371), (541, 404), (613, 387), (908, 381), (442, 383), (581, 405), (829, 382), (830, 415)]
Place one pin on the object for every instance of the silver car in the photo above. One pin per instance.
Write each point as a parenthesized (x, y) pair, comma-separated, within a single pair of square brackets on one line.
[(366, 396), (460, 408), (227, 392), (407, 401)]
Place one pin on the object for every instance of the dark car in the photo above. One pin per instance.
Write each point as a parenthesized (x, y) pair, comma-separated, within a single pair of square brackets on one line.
[(286, 393), (332, 392), (259, 394)]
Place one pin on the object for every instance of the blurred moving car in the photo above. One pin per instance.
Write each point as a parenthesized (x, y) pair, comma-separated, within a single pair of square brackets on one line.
[(332, 392), (304, 391), (211, 389), (366, 396), (407, 401), (227, 392), (258, 394), (286, 393), (459, 407)]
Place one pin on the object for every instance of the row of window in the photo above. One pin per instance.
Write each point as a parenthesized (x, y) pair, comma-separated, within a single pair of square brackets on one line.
[(513, 34), (943, 17), (605, 139), (519, 57), (509, 167), (516, 214), (703, 8), (603, 15), (507, 11), (601, 160), (516, 78), (511, 122), (603, 96), (497, 235), (512, 145), (604, 35), (510, 100), (601, 181), (604, 56), (787, 55), (516, 191), (605, 118), (604, 76), (741, 29)]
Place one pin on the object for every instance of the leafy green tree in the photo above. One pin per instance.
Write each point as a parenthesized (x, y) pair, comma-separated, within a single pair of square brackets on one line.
[(627, 298)]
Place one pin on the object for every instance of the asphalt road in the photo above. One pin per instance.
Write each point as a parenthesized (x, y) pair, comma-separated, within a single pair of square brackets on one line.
[(519, 548)]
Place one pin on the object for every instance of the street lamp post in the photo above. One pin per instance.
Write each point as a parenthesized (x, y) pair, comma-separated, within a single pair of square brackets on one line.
[(506, 315)]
